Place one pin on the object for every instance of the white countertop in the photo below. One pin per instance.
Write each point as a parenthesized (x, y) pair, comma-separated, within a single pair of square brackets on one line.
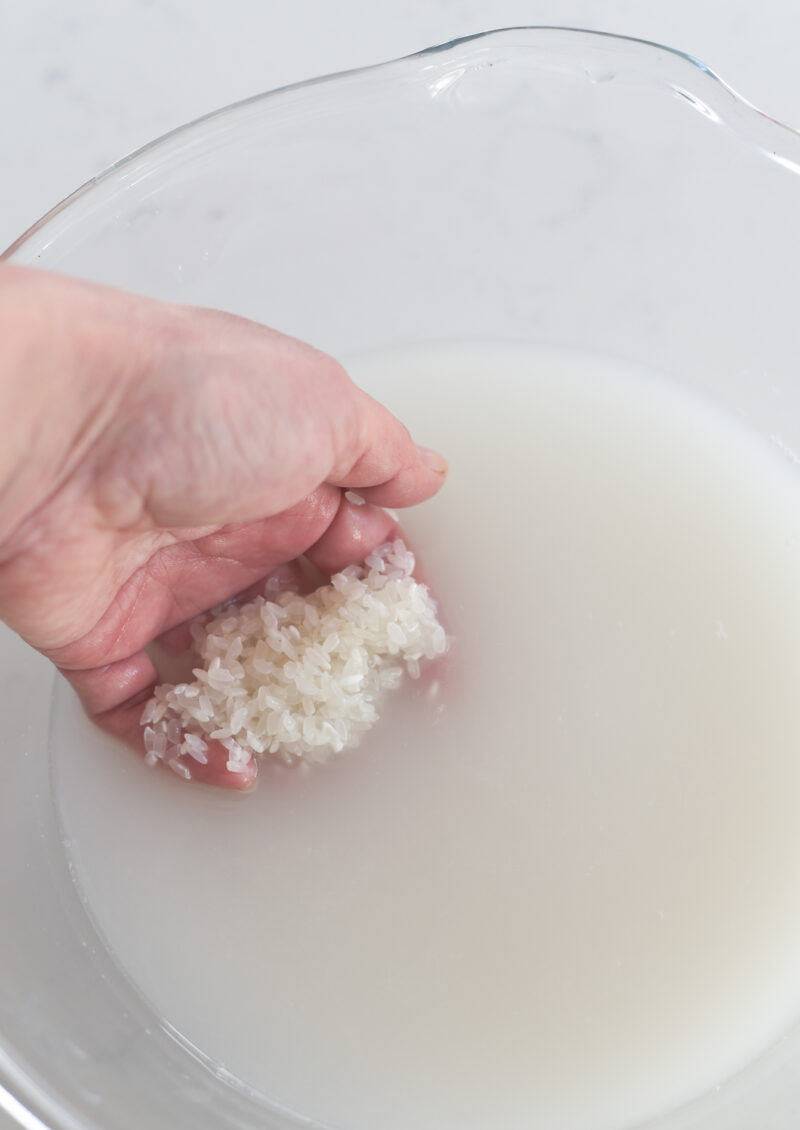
[(87, 81)]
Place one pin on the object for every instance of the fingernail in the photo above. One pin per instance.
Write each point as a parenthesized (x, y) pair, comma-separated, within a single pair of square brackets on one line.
[(433, 460), (283, 579), (253, 785)]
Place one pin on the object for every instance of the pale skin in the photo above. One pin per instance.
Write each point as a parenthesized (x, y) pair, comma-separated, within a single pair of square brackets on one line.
[(159, 459)]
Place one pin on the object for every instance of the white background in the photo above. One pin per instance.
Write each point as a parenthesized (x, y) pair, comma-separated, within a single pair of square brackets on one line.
[(82, 82)]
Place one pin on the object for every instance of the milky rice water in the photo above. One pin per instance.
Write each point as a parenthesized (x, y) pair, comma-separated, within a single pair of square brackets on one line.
[(563, 891)]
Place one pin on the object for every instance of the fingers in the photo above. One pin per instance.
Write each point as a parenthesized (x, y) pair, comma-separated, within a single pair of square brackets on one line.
[(105, 689), (185, 579), (388, 469), (351, 537), (114, 697), (289, 577), (354, 533), (123, 722)]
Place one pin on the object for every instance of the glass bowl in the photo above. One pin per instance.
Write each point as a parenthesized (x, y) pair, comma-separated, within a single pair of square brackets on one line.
[(534, 185)]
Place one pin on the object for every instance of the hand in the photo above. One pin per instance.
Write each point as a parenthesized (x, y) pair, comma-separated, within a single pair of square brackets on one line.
[(160, 459)]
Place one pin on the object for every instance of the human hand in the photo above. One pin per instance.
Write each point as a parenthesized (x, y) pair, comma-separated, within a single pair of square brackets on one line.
[(160, 459)]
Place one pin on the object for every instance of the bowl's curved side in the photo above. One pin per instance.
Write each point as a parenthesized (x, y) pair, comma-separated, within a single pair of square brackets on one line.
[(616, 58)]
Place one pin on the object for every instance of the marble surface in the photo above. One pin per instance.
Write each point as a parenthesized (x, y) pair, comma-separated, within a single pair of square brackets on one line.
[(87, 81)]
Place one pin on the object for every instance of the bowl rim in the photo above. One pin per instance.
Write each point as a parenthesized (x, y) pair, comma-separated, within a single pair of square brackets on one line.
[(775, 139)]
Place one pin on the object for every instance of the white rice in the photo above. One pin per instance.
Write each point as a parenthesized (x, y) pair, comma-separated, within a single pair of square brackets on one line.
[(298, 677)]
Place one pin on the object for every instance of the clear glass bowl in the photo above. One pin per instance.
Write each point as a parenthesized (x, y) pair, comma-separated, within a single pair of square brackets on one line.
[(537, 185)]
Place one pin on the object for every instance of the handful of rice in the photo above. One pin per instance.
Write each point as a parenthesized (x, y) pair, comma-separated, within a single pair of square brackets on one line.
[(299, 676)]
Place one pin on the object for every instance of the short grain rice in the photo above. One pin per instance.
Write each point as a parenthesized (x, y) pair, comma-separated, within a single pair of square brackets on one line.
[(295, 676)]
